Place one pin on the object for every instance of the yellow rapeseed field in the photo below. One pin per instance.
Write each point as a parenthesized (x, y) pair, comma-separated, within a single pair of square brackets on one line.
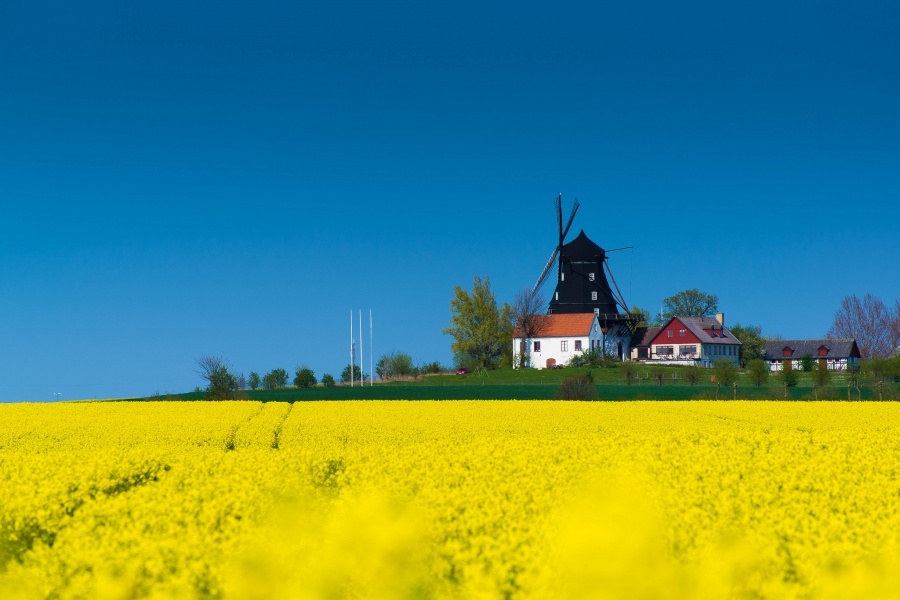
[(468, 499)]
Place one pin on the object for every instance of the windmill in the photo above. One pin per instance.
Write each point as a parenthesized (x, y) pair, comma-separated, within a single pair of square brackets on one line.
[(583, 277), (562, 236)]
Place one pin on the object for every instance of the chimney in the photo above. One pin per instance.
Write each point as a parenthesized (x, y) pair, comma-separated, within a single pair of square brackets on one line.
[(720, 317)]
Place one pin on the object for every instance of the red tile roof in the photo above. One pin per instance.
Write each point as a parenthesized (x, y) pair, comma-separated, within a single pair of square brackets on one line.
[(565, 325)]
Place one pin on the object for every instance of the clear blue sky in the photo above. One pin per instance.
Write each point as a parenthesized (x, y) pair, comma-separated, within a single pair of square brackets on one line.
[(187, 178)]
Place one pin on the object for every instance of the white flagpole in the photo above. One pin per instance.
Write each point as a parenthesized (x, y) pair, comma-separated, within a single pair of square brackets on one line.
[(371, 355), (351, 348), (362, 380)]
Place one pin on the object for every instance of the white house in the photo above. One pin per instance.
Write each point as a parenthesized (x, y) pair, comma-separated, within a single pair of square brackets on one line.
[(563, 336), (833, 354)]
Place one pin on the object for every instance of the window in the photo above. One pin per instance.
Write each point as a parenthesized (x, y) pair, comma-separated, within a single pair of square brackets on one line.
[(593, 295), (688, 350), (681, 333), (556, 296), (665, 350), (537, 346), (591, 276), (671, 333), (562, 276), (564, 345), (577, 345)]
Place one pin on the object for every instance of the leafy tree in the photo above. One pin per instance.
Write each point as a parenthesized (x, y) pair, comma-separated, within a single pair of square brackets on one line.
[(658, 373), (433, 368), (395, 364), (690, 303), (807, 363), (276, 378), (254, 380), (788, 378), (304, 377), (345, 374), (752, 342), (822, 376), (759, 371), (481, 330), (874, 326), (642, 314), (692, 374), (221, 384), (726, 371), (327, 380)]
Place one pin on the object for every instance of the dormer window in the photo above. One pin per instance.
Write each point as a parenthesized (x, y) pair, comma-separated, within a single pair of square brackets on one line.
[(823, 351), (787, 351), (591, 276)]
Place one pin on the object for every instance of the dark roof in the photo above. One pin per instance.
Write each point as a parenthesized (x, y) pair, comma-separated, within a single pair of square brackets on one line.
[(644, 335), (837, 348), (582, 248), (698, 325)]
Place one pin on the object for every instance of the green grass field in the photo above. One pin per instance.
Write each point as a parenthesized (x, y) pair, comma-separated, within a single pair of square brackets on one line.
[(532, 384)]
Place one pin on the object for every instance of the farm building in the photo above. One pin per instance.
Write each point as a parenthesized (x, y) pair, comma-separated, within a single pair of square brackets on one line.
[(834, 354), (562, 336), (694, 341), (640, 342)]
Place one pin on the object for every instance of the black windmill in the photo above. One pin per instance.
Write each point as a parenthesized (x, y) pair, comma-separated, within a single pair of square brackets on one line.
[(581, 279)]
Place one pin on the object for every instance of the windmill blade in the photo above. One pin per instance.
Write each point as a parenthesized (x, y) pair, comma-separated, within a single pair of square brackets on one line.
[(558, 206), (617, 295), (565, 232), (543, 278)]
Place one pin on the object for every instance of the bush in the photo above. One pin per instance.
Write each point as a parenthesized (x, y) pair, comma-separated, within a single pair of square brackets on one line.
[(692, 374), (433, 368), (788, 378), (658, 372), (821, 376), (807, 363), (726, 371), (577, 387), (395, 364), (758, 370), (304, 377), (593, 358), (345, 374), (327, 380), (629, 370), (254, 380)]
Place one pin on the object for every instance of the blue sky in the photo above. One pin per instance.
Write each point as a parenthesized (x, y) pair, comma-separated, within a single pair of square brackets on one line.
[(180, 179)]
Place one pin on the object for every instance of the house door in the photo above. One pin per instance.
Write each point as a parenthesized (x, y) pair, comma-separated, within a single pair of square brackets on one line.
[(551, 362)]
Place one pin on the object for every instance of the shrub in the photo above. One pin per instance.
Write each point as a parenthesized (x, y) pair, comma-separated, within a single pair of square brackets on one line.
[(692, 374), (304, 377), (788, 378), (327, 380), (433, 368), (629, 370), (807, 363), (726, 371), (593, 358), (658, 372), (758, 370), (577, 387), (821, 376)]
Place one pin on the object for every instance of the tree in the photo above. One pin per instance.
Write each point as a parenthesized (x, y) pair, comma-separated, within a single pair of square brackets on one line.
[(752, 342), (759, 371), (221, 384), (526, 312), (395, 364), (327, 380), (629, 370), (807, 363), (642, 314), (481, 330), (788, 378), (254, 380), (304, 377), (354, 369), (658, 372), (726, 372), (690, 303), (821, 376), (577, 387), (692, 374), (274, 379), (870, 322)]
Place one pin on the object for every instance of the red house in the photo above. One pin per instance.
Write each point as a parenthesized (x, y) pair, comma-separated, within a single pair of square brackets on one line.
[(694, 341)]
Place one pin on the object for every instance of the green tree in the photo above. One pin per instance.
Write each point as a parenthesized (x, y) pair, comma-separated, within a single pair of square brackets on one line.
[(395, 364), (690, 303), (658, 373), (254, 380), (725, 371), (692, 374), (481, 330), (327, 380), (629, 371), (221, 384), (759, 371), (807, 363), (752, 342), (304, 377), (821, 376), (354, 369), (274, 379), (788, 378), (577, 387)]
